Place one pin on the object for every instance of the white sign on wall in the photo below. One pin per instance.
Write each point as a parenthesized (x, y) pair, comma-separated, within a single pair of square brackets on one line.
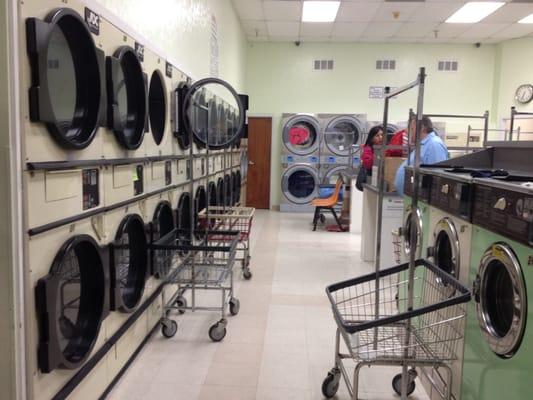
[(375, 92)]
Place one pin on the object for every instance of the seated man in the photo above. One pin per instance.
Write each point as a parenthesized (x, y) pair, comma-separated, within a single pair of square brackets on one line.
[(432, 150)]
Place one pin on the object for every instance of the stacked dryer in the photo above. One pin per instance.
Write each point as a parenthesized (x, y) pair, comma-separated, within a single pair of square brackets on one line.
[(300, 158), (342, 136)]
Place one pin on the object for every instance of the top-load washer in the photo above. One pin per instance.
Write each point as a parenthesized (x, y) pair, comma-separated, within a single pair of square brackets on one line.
[(499, 337), (67, 87), (300, 135)]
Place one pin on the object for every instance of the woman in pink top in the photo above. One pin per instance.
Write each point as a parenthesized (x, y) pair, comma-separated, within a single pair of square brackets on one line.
[(375, 137)]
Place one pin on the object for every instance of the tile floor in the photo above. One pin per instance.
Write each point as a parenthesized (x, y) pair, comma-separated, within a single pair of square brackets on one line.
[(281, 344)]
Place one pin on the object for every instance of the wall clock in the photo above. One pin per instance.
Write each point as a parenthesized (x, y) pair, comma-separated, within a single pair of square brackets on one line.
[(524, 93)]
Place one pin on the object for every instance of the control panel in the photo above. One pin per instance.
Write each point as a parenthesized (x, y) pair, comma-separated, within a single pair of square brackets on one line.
[(425, 185), (505, 212), (453, 196)]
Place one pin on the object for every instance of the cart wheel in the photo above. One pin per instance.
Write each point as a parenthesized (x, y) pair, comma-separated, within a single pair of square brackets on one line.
[(217, 332), (322, 218), (234, 306), (169, 327), (330, 386), (397, 385), (181, 303), (246, 273)]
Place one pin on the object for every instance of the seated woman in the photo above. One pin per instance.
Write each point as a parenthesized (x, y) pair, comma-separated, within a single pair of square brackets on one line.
[(375, 137)]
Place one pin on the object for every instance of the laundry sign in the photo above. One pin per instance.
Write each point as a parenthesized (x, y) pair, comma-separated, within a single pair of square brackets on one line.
[(376, 92)]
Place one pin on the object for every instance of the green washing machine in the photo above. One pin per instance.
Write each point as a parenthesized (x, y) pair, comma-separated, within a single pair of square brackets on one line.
[(498, 357)]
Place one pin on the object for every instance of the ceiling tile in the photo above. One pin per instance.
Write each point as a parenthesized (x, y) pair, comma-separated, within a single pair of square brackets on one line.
[(405, 10), (283, 38), (382, 29), (510, 13), (309, 39), (253, 28), (283, 10), (482, 30), (249, 9), (452, 30), (315, 29), (435, 12), (514, 31), (257, 38), (283, 28), (357, 12), (350, 30), (416, 29)]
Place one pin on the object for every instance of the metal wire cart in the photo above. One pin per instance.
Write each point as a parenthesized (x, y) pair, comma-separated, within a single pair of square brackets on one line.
[(232, 219), (382, 321)]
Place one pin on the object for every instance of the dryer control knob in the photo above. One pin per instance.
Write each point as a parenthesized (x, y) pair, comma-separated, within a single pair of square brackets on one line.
[(501, 204)]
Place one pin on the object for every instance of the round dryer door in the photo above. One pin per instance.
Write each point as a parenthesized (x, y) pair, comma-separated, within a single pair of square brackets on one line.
[(406, 232), (446, 249), (332, 175), (220, 192), (127, 97), (157, 106), (300, 134), (342, 133), (162, 233), (130, 264), (72, 301), (300, 184), (228, 189), (200, 204), (501, 298), (196, 114), (237, 187), (183, 219), (212, 192), (68, 87), (180, 132)]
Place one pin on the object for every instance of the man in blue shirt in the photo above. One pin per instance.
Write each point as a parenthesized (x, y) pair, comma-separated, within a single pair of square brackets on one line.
[(432, 150)]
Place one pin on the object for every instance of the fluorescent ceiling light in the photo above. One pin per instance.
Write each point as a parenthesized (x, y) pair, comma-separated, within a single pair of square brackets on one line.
[(320, 11), (474, 12), (527, 20)]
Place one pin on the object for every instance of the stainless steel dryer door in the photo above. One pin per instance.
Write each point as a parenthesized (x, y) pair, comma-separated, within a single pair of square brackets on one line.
[(406, 232), (500, 293), (299, 184), (342, 133), (301, 134), (446, 248)]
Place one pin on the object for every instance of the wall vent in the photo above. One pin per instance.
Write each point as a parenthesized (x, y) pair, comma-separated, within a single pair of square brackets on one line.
[(323, 64), (447, 65), (385, 64)]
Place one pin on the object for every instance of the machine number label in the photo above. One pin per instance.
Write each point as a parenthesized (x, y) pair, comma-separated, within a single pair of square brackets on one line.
[(139, 49), (93, 21), (168, 69)]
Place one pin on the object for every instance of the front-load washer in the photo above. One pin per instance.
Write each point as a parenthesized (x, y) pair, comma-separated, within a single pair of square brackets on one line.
[(299, 185), (68, 303), (342, 135), (184, 218), (300, 135), (499, 336), (330, 173), (123, 182), (65, 80), (126, 94)]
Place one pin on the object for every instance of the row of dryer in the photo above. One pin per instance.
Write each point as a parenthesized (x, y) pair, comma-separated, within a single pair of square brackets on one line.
[(480, 230)]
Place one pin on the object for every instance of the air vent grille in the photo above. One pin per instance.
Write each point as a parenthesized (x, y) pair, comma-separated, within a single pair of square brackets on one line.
[(323, 64), (385, 64), (448, 66)]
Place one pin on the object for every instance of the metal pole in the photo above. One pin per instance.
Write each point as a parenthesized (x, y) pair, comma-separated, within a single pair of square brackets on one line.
[(486, 128), (381, 189), (411, 117), (413, 233), (511, 126)]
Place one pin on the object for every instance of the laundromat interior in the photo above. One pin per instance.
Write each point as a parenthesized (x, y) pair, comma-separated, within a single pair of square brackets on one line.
[(272, 200)]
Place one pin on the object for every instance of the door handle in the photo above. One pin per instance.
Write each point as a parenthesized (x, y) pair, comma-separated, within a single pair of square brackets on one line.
[(251, 162)]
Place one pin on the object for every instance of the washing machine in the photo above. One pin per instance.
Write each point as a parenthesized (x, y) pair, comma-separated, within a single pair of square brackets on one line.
[(499, 336), (158, 141), (299, 185), (127, 106), (300, 135), (342, 134), (184, 213), (65, 114), (68, 302)]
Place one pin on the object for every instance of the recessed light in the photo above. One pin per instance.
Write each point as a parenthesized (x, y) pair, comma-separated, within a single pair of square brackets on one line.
[(474, 12), (320, 11), (527, 20)]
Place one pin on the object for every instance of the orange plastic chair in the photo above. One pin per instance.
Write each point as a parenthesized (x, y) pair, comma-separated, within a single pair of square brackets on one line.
[(328, 204)]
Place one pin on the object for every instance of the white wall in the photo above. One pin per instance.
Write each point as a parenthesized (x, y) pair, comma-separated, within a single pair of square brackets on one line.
[(280, 78)]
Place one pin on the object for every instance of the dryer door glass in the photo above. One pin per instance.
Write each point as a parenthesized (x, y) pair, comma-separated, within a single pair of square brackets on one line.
[(205, 115), (502, 307), (407, 226), (162, 233), (200, 204), (130, 262), (446, 249), (220, 192), (341, 135), (228, 188), (157, 106), (163, 220), (237, 187), (301, 184), (183, 218)]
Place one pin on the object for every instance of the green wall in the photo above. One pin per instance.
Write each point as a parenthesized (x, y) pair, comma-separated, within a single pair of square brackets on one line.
[(280, 78)]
